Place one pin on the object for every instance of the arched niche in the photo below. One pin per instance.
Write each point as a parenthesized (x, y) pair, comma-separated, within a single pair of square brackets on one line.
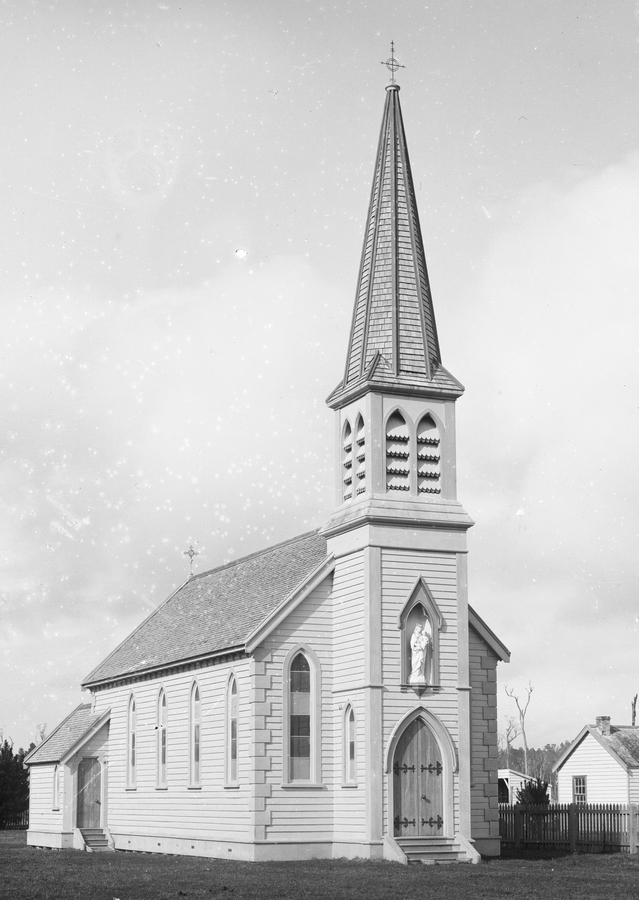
[(420, 612)]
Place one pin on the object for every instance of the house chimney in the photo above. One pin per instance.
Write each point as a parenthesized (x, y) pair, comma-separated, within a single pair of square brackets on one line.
[(603, 724)]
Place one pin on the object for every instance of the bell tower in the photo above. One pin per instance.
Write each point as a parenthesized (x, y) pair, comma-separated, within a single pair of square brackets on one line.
[(398, 531)]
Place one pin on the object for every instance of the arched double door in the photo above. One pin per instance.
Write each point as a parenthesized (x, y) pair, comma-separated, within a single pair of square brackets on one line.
[(418, 783)]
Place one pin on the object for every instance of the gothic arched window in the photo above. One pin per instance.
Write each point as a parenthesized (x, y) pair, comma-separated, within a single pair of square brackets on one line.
[(360, 456), (349, 774), (56, 788), (397, 453), (195, 737), (347, 461), (301, 708), (131, 744), (428, 457), (162, 718), (232, 705)]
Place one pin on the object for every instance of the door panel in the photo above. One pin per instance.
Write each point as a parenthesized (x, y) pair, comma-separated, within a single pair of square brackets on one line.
[(89, 793), (418, 783)]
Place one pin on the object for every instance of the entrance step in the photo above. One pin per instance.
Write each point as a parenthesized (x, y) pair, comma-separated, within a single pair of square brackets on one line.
[(95, 839), (431, 850)]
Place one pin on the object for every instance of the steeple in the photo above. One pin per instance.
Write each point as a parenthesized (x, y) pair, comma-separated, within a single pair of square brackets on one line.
[(393, 343)]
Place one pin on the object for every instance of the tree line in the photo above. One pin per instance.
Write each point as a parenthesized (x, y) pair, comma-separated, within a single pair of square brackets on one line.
[(14, 783)]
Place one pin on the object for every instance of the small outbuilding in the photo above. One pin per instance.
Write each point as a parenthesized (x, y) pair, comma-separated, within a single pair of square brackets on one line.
[(509, 782), (600, 766)]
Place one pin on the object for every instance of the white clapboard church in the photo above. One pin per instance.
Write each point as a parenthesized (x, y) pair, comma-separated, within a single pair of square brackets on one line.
[(334, 695)]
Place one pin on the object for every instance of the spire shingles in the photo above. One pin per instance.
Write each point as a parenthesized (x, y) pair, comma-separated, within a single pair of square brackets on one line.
[(393, 337)]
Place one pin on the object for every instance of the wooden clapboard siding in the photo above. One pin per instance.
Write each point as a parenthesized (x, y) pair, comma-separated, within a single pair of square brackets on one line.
[(97, 744), (348, 621), (42, 815), (606, 779), (292, 812), (214, 811), (633, 786), (400, 571), (483, 738)]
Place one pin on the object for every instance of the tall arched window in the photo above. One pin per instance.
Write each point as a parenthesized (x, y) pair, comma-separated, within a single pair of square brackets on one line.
[(195, 737), (428, 457), (56, 788), (349, 774), (397, 454), (131, 744), (162, 714), (347, 462), (360, 454), (232, 705), (300, 719)]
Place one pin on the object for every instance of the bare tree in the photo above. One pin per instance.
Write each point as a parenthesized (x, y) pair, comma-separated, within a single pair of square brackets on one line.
[(522, 709), (40, 733), (508, 735), (634, 709)]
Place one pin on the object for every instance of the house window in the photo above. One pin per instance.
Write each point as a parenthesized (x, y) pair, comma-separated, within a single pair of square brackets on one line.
[(196, 718), (132, 744), (579, 789), (428, 457), (350, 748), (347, 462), (56, 788), (397, 454), (231, 731), (300, 719), (161, 731)]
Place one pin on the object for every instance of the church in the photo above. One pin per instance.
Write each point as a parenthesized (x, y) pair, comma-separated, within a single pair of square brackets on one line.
[(333, 695)]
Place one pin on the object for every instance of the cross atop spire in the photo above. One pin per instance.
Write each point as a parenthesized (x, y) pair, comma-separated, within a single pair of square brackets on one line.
[(393, 343), (391, 64)]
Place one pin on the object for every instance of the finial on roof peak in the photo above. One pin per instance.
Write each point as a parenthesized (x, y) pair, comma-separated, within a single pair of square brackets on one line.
[(392, 65)]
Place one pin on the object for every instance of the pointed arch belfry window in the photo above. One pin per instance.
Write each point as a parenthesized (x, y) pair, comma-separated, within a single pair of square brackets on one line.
[(347, 461), (360, 455), (420, 623), (397, 453), (428, 456)]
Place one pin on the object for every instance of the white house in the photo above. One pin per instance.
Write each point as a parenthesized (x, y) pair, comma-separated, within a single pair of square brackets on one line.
[(600, 766), (509, 782), (334, 695)]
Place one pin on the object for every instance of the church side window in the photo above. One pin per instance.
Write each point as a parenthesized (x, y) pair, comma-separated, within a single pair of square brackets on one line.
[(131, 744), (397, 454), (300, 719), (428, 457), (231, 731), (162, 718), (347, 462), (56, 788), (350, 747), (360, 456), (195, 736)]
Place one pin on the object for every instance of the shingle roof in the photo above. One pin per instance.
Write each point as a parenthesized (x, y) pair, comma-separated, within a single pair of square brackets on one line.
[(622, 740), (68, 733), (393, 322), (216, 610)]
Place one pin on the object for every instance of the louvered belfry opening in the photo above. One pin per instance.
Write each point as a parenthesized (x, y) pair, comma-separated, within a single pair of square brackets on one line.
[(347, 461), (428, 457), (397, 454), (360, 455)]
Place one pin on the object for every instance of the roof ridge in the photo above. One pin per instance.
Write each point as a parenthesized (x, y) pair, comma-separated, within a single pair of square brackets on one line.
[(235, 562)]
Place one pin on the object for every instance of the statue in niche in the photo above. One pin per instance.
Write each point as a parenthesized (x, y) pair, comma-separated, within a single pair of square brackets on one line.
[(420, 642)]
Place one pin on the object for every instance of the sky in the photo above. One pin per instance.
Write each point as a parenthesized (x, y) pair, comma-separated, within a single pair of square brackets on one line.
[(184, 190)]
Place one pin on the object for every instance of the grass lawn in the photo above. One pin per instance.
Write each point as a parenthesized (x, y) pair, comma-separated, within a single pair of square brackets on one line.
[(28, 874)]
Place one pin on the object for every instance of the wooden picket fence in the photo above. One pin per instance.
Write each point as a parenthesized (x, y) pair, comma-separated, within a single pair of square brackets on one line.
[(14, 819), (591, 828)]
